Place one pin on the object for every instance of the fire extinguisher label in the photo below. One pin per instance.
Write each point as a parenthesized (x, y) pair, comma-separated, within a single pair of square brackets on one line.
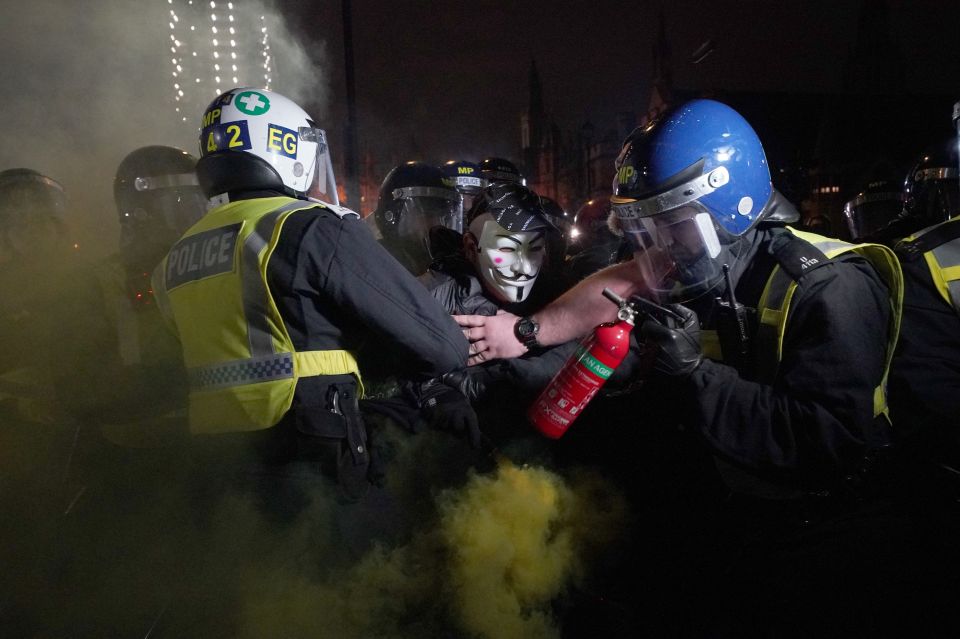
[(594, 365)]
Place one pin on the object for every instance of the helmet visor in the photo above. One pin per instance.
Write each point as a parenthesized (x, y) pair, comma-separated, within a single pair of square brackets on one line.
[(155, 222), (680, 252), (940, 200), (425, 207), (323, 185), (871, 212)]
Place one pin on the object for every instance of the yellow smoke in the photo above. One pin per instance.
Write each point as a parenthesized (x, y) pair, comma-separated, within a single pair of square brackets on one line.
[(515, 541), (505, 546)]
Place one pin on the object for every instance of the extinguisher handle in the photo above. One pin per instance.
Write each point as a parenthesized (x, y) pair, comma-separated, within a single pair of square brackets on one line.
[(660, 314)]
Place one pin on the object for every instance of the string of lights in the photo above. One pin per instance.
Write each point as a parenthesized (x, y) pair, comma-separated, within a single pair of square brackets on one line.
[(216, 46)]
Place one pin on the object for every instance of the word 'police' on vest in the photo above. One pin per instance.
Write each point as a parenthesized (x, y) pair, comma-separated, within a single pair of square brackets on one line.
[(202, 255)]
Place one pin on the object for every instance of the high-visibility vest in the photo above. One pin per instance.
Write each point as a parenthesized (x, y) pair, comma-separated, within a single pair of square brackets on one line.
[(242, 364), (940, 246), (773, 309)]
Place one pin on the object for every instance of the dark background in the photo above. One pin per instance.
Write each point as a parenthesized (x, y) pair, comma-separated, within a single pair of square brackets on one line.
[(437, 80)]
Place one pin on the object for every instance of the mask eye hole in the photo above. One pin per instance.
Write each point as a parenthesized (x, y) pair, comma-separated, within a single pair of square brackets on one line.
[(506, 249)]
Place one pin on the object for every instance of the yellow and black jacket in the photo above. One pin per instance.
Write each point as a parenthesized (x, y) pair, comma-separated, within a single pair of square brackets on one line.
[(271, 297), (925, 376), (812, 399)]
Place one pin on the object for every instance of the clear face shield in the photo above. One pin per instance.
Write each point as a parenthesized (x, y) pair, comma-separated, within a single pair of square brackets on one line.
[(680, 252), (869, 213), (678, 246), (165, 206), (314, 150), (469, 188), (174, 201), (510, 262), (425, 207), (941, 200)]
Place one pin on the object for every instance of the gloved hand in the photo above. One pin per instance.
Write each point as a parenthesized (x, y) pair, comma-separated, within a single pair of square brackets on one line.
[(677, 341), (471, 382), (447, 408), (401, 411)]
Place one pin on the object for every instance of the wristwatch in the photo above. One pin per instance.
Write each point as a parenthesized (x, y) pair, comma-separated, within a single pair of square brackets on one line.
[(526, 330)]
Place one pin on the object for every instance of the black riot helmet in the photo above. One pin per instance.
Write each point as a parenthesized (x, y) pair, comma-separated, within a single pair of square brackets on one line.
[(870, 212), (931, 192), (467, 179), (32, 212), (497, 170), (27, 193), (559, 217), (562, 223), (415, 197), (158, 198)]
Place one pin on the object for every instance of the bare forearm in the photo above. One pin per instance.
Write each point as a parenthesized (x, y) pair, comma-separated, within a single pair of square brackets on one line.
[(580, 309)]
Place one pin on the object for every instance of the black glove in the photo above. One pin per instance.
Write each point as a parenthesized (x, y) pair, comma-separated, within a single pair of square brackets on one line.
[(402, 412), (447, 408), (677, 340), (471, 382)]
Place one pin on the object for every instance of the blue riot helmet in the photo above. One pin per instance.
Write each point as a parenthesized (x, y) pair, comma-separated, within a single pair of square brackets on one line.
[(467, 179), (688, 187)]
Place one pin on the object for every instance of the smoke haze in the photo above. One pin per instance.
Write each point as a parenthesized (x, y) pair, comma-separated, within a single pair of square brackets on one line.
[(85, 83)]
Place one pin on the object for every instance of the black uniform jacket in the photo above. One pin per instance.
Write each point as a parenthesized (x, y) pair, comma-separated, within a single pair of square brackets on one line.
[(925, 376), (337, 288), (814, 421)]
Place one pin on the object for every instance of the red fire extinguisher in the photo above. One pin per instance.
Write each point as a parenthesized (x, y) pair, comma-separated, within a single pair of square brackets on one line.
[(582, 376)]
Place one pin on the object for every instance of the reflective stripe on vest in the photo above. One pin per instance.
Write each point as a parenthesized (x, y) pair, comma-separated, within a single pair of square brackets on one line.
[(242, 365), (944, 264), (773, 308)]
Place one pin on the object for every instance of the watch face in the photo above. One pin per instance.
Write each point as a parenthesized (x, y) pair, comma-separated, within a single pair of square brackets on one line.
[(526, 327)]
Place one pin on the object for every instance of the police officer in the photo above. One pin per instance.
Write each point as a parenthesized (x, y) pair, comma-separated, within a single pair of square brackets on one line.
[(925, 379), (276, 287), (415, 199), (142, 389), (870, 214), (158, 198), (494, 169), (32, 216), (35, 265), (466, 176), (789, 403)]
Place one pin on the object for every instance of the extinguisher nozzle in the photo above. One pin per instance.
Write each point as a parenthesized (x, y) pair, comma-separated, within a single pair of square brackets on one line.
[(613, 297)]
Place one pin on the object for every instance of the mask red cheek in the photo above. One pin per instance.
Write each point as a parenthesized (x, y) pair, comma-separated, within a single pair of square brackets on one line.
[(497, 260)]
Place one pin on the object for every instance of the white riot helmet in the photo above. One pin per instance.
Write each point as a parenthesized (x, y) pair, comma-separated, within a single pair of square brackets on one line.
[(247, 123)]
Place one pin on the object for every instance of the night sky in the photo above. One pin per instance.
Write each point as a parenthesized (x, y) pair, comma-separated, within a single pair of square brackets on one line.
[(447, 79), (86, 83)]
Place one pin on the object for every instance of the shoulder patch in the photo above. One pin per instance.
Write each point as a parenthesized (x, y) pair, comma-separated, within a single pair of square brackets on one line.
[(797, 256)]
